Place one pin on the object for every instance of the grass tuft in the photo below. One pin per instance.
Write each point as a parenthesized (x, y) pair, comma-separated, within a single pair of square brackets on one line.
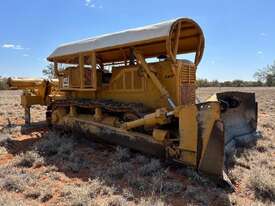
[(149, 169), (263, 184), (122, 154), (28, 159)]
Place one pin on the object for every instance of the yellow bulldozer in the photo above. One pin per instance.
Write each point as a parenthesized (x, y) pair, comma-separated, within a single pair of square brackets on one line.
[(133, 88)]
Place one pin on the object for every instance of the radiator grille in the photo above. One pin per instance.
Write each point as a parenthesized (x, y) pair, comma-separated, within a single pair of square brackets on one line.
[(188, 75), (187, 84)]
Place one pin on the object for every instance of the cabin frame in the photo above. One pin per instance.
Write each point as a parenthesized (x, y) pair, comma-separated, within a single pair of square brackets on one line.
[(178, 36)]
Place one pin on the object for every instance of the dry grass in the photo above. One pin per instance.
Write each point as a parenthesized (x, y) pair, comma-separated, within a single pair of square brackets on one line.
[(28, 159), (263, 184), (61, 170)]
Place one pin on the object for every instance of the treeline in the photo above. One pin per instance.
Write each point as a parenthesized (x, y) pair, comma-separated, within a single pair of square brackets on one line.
[(264, 77), (234, 83)]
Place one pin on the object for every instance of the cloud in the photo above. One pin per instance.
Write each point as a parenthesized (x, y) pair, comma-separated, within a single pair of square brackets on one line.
[(26, 55), (263, 34), (12, 46), (8, 46), (260, 52), (89, 3)]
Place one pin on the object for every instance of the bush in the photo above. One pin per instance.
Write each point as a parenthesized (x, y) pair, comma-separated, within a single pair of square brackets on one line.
[(122, 154), (84, 194), (165, 186), (118, 170), (152, 201), (54, 144), (141, 159), (261, 181), (5, 140), (12, 183), (197, 194), (32, 194), (116, 201), (150, 168), (193, 175), (138, 183), (28, 159)]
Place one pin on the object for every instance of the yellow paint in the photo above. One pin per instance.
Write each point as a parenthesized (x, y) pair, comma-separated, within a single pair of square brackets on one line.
[(160, 135), (188, 130), (209, 115)]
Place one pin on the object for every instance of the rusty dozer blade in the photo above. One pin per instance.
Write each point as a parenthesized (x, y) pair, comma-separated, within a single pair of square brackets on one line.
[(210, 139), (239, 111), (226, 120)]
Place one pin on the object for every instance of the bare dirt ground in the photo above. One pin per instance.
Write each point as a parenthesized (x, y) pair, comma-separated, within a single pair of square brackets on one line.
[(53, 168)]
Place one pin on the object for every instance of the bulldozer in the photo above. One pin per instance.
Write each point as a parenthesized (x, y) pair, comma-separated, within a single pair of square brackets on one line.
[(135, 89)]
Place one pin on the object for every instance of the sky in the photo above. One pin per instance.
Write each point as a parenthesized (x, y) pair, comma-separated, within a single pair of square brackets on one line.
[(240, 34)]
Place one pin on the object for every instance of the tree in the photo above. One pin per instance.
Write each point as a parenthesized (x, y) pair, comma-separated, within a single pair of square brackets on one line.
[(270, 80), (49, 71), (260, 75), (266, 75), (202, 83)]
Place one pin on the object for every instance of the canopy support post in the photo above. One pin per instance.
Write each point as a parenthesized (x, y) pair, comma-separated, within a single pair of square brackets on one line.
[(94, 74), (81, 67)]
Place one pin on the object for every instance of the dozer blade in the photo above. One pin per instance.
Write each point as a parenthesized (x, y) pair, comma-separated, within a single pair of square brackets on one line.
[(226, 121), (210, 139), (239, 116), (212, 161)]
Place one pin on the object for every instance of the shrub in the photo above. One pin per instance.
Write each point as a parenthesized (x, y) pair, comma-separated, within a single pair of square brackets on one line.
[(41, 191), (122, 154), (32, 194), (54, 144), (138, 183), (150, 168), (171, 187), (46, 197), (261, 181), (76, 194), (76, 162), (141, 159), (84, 194), (152, 201), (28, 159), (195, 176), (116, 201), (118, 170), (161, 184), (196, 193), (12, 183), (5, 140)]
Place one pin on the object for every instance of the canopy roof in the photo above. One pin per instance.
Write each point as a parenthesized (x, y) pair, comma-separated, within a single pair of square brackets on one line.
[(153, 40)]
